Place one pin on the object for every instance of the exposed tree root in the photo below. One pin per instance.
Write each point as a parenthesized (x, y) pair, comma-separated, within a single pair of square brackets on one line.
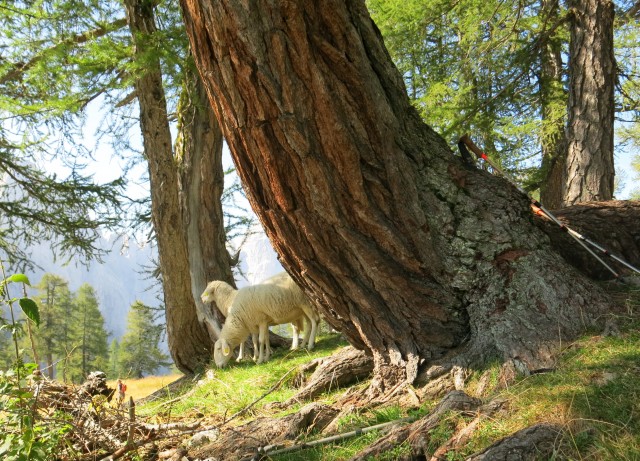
[(267, 435), (417, 432), (342, 369), (250, 439), (463, 436), (615, 225), (532, 443)]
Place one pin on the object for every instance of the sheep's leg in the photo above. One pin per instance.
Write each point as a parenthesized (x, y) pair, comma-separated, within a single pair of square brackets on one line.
[(312, 318), (256, 346), (264, 331), (296, 325), (314, 330), (312, 335), (241, 352), (307, 330), (267, 342)]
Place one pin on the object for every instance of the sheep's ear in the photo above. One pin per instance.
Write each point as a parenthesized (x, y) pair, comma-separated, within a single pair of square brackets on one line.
[(225, 348)]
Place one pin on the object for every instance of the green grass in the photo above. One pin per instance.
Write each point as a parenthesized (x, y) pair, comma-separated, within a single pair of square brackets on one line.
[(594, 393), (233, 388)]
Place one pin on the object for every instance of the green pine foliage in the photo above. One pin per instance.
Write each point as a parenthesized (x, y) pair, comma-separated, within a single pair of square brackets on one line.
[(45, 82), (71, 340), (635, 195), (51, 339), (91, 351), (475, 66), (139, 351), (114, 359), (470, 66)]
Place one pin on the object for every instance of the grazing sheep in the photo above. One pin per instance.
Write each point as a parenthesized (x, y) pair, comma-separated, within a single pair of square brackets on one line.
[(257, 307), (285, 281), (223, 295)]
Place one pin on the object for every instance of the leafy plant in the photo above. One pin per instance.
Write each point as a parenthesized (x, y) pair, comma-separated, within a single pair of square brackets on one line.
[(25, 436)]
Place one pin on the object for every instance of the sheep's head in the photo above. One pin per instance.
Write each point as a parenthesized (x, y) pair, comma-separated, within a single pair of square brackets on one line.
[(209, 294), (221, 353)]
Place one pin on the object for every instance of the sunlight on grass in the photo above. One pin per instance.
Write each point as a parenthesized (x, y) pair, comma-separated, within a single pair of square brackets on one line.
[(593, 393), (233, 388), (139, 388)]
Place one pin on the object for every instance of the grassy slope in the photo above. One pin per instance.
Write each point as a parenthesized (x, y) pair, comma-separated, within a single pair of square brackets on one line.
[(594, 392)]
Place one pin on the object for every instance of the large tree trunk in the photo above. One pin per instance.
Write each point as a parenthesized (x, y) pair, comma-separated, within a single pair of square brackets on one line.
[(408, 253), (199, 150), (189, 343), (552, 99), (589, 170)]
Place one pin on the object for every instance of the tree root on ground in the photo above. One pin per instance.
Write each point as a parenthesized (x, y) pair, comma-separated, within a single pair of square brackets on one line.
[(262, 436), (539, 441), (249, 440), (342, 369), (417, 432)]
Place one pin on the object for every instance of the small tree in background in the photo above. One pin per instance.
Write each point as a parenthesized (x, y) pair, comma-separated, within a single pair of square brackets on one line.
[(139, 352), (635, 164), (114, 358), (6, 359), (91, 337), (56, 319)]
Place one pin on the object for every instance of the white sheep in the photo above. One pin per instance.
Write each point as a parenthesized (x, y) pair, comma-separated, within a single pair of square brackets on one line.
[(256, 307), (224, 294)]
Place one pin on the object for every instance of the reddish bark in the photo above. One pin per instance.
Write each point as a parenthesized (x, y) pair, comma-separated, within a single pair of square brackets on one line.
[(401, 246)]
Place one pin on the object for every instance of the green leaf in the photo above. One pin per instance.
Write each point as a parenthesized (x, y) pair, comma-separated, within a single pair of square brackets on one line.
[(19, 278), (30, 309)]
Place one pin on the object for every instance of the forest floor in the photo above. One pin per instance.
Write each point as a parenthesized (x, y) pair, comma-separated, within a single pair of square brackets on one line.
[(587, 407)]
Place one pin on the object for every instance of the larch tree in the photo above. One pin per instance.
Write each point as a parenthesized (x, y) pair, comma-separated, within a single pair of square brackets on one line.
[(114, 359), (411, 255), (469, 67), (186, 187), (139, 351), (552, 105), (201, 187), (92, 349), (36, 129), (64, 57), (589, 169), (54, 299), (495, 69)]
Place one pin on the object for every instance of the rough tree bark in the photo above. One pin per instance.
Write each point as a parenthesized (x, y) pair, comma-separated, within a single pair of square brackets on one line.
[(614, 225), (412, 256), (201, 184), (552, 96), (189, 343), (589, 170)]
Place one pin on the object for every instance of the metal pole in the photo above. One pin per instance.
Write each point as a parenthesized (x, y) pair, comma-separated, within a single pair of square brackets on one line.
[(574, 234)]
